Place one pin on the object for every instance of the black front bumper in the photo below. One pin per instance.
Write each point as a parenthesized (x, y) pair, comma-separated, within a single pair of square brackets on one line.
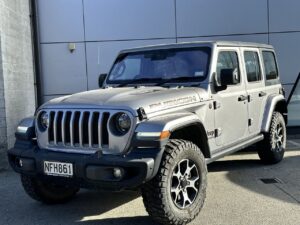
[(90, 171)]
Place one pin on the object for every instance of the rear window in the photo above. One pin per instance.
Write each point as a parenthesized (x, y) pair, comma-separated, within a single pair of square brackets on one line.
[(271, 70)]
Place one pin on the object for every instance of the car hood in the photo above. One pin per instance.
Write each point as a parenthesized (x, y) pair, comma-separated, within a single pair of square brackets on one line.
[(152, 99)]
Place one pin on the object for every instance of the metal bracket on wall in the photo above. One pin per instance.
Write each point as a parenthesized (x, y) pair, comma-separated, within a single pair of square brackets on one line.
[(72, 47)]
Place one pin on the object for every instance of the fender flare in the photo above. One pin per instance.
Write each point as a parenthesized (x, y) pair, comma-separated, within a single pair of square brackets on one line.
[(270, 107), (26, 129), (169, 122), (175, 122)]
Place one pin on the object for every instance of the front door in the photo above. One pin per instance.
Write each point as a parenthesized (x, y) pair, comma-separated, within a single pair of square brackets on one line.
[(231, 115)]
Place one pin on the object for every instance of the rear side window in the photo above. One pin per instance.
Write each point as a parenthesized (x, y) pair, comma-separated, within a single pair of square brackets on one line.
[(252, 66), (271, 70), (228, 60)]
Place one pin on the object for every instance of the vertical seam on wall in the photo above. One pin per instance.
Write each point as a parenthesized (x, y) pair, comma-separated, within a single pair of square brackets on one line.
[(3, 96), (86, 66), (268, 15), (35, 40), (175, 14)]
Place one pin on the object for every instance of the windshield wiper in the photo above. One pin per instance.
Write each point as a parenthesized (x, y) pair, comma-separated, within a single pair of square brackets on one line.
[(138, 81), (157, 81), (175, 79)]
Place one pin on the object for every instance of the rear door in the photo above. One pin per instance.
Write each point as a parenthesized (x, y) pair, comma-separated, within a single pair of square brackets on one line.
[(271, 72), (255, 87)]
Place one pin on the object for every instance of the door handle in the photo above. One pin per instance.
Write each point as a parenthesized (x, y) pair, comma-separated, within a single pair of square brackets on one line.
[(261, 94), (242, 98)]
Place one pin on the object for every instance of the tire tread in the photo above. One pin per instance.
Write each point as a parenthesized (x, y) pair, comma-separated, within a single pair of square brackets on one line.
[(153, 192)]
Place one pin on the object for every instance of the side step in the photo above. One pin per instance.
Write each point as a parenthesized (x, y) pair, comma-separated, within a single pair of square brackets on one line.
[(234, 148)]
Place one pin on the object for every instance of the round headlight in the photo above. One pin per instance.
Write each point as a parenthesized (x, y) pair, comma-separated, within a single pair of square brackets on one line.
[(123, 122), (44, 120)]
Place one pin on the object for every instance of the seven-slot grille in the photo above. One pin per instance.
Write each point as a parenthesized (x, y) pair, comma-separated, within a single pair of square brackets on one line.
[(83, 129)]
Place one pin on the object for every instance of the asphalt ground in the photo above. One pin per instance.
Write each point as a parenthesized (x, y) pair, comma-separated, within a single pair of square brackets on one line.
[(236, 195)]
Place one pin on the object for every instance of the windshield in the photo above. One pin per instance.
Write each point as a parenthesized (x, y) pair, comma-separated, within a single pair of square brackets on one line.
[(155, 65)]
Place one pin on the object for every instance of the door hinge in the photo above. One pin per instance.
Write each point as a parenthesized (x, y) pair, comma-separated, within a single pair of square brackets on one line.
[(216, 104), (250, 122), (218, 132), (249, 98)]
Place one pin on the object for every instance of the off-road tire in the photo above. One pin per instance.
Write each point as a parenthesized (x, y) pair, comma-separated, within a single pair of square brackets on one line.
[(156, 193), (47, 193), (268, 150)]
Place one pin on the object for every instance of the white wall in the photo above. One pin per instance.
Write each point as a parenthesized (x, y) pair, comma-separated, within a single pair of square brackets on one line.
[(17, 91)]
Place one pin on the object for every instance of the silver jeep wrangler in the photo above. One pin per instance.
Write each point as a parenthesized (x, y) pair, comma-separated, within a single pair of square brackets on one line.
[(160, 116)]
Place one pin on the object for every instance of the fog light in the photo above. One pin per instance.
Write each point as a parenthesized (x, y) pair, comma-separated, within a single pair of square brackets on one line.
[(118, 173), (20, 162)]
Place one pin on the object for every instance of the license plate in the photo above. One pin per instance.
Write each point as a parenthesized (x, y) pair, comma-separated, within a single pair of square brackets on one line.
[(58, 169)]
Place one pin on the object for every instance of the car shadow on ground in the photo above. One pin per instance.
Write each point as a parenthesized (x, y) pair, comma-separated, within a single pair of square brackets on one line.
[(248, 173), (95, 203), (245, 172), (137, 220), (93, 207)]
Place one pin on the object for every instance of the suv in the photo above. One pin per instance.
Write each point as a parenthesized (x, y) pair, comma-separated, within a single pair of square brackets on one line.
[(161, 115)]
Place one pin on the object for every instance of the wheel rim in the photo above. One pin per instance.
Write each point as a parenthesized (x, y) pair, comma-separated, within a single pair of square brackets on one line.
[(185, 183), (278, 138)]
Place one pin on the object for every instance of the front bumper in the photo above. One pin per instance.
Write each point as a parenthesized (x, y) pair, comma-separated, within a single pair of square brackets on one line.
[(90, 171)]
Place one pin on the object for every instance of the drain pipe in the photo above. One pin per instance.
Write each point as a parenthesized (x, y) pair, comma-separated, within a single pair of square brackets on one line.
[(36, 51)]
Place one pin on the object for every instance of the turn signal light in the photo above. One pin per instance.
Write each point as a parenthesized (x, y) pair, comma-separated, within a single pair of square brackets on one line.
[(164, 134)]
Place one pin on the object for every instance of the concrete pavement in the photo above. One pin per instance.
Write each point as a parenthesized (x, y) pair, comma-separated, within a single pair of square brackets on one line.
[(236, 195)]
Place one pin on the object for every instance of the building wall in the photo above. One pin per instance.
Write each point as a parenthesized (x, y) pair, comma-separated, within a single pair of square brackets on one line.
[(101, 28), (3, 142), (17, 92)]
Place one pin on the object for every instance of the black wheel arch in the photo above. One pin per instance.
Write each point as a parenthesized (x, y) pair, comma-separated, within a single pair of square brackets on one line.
[(282, 107), (195, 133)]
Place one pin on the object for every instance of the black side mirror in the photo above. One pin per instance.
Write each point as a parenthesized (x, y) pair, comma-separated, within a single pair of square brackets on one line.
[(101, 79), (229, 77)]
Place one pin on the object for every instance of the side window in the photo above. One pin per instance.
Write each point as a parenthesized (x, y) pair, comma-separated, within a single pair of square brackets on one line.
[(271, 70), (228, 60), (252, 66)]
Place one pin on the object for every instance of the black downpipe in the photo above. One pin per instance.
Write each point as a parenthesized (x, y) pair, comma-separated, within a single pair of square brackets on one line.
[(36, 50), (293, 89)]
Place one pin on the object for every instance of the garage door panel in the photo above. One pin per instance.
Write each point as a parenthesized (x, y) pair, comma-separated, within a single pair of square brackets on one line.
[(60, 21), (134, 19), (288, 53), (63, 72), (284, 15), (217, 17)]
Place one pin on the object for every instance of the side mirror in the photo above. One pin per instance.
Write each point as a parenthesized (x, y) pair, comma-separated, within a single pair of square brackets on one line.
[(101, 79), (229, 77)]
